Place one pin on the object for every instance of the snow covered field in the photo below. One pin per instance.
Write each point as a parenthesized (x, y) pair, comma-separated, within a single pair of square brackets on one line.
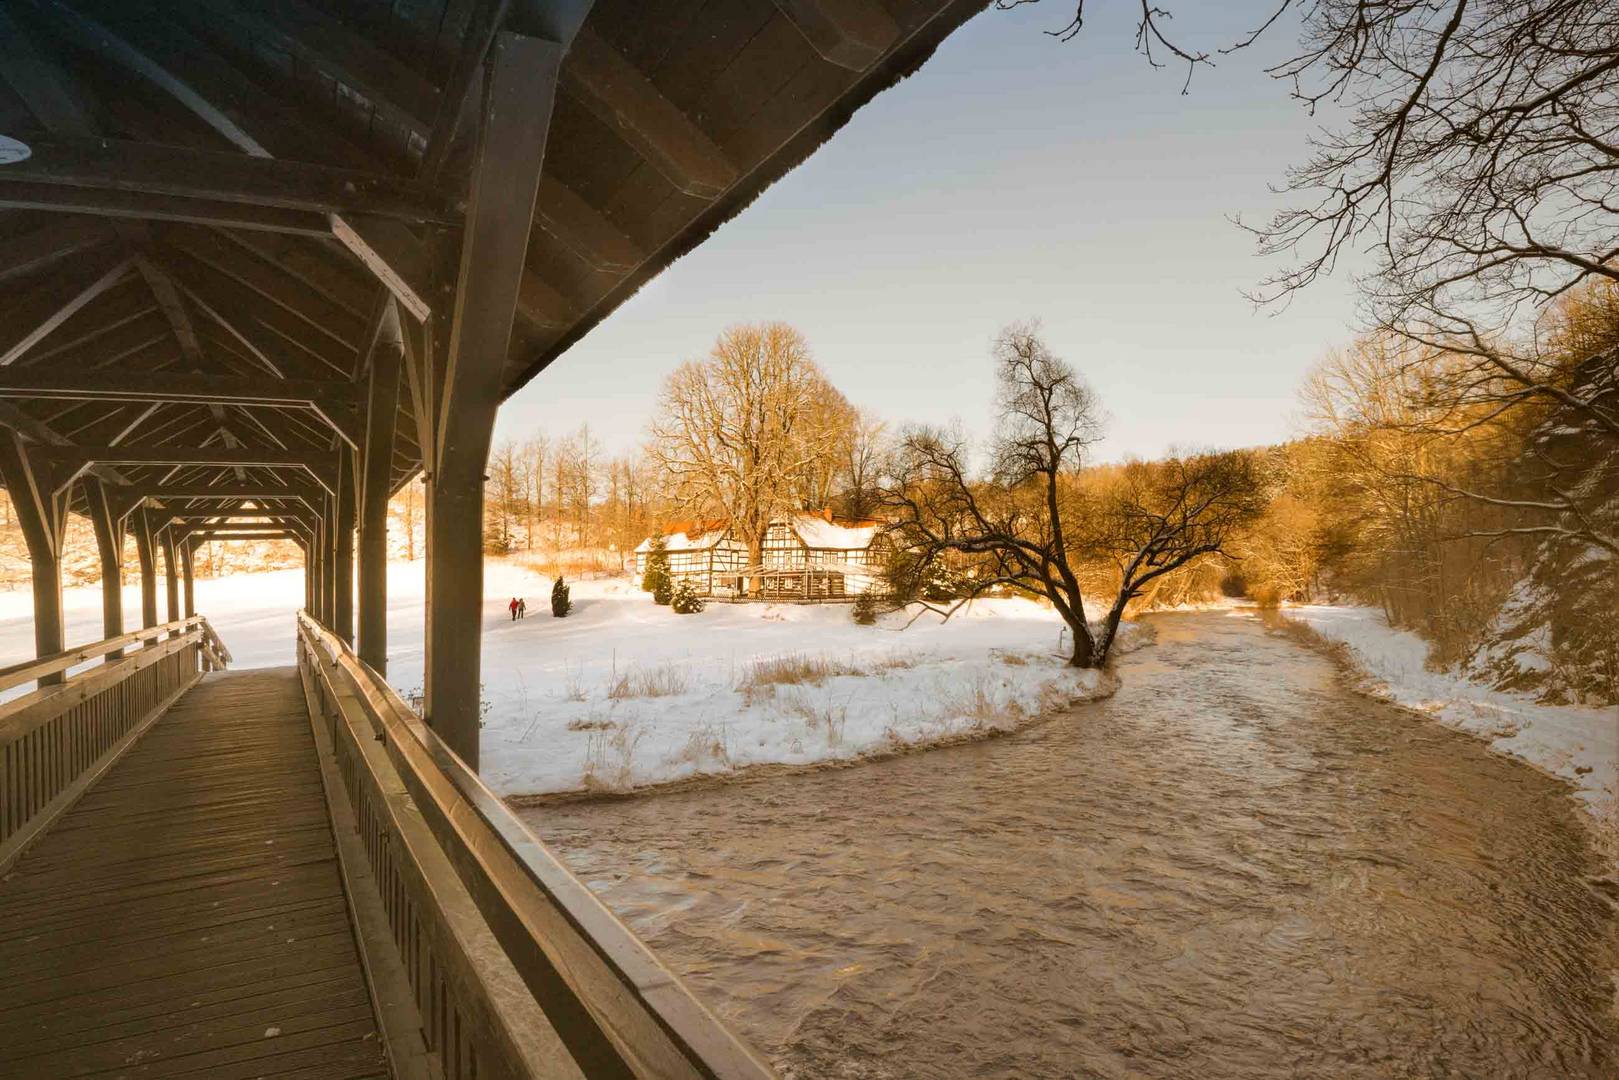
[(623, 693), (1578, 743)]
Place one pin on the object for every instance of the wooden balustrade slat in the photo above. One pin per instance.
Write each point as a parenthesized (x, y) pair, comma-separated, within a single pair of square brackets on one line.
[(618, 1010), (56, 740), (28, 670)]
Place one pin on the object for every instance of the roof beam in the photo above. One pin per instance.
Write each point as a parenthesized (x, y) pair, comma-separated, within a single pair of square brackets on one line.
[(542, 305), (175, 387), (105, 277), (318, 318), (121, 165), (40, 432), (477, 36), (385, 247), (849, 33), (316, 265), (583, 230), (392, 254), (61, 239), (233, 534), (114, 203), (144, 39), (266, 458), (398, 96), (627, 101), (275, 335), (231, 489)]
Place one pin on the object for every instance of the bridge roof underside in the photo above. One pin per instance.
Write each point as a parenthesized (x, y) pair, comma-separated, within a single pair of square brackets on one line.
[(222, 195)]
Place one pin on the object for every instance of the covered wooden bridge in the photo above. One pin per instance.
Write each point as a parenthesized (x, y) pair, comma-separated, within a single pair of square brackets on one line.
[(262, 262)]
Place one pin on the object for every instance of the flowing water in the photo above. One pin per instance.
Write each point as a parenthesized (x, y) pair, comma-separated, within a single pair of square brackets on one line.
[(1237, 867)]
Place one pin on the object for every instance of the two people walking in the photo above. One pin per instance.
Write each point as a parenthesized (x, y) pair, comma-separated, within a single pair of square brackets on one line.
[(518, 607)]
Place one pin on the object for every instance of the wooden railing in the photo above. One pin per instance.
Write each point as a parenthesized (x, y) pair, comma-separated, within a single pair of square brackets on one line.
[(56, 740), (514, 967)]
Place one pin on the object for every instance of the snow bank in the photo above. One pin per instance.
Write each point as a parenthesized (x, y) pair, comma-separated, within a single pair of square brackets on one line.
[(1578, 743), (624, 693)]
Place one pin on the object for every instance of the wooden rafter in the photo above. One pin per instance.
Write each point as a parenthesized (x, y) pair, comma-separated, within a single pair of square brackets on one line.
[(154, 386), (122, 165), (630, 104), (849, 33)]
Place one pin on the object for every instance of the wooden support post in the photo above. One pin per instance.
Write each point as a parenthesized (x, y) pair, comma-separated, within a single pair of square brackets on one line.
[(188, 571), (42, 513), (343, 547), (142, 523), (171, 577), (519, 88), (311, 573), (376, 480), (328, 542), (109, 530)]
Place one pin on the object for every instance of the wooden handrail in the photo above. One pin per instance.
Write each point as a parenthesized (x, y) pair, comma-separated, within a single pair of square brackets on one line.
[(617, 1008), (28, 670), (55, 741)]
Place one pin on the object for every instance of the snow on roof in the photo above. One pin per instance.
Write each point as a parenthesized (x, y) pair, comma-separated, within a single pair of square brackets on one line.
[(820, 531), (687, 536), (815, 530)]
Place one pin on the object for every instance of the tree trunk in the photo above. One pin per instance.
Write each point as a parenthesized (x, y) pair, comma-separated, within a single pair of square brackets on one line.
[(756, 557), (1110, 630)]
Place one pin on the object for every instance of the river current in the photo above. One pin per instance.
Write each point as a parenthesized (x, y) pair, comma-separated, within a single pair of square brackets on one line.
[(1237, 867)]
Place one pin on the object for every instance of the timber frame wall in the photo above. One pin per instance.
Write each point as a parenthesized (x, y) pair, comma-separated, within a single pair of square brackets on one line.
[(263, 263)]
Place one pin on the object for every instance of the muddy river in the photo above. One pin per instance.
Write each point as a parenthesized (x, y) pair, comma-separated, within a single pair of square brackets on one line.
[(1237, 867)]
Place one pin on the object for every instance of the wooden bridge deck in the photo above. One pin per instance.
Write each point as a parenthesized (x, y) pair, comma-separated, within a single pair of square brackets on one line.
[(186, 918)]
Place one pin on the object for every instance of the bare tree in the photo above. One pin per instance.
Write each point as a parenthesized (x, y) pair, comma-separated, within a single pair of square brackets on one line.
[(505, 486), (832, 422), (1028, 523), (859, 465), (534, 452), (737, 433), (1159, 516), (1015, 525)]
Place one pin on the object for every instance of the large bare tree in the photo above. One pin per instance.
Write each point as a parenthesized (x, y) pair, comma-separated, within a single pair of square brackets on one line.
[(1029, 522), (738, 433), (1012, 525)]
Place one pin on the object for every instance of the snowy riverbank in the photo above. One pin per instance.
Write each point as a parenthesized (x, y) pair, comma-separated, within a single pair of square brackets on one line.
[(1578, 743), (624, 694)]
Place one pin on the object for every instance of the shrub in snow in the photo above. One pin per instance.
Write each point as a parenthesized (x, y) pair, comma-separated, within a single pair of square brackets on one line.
[(943, 583), (865, 608), (560, 604), (685, 600), (657, 567), (907, 577)]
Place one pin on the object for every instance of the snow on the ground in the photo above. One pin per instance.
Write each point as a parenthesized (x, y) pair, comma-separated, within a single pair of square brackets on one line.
[(623, 693), (1578, 743)]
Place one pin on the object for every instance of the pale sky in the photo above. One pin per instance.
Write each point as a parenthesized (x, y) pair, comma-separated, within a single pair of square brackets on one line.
[(1012, 177)]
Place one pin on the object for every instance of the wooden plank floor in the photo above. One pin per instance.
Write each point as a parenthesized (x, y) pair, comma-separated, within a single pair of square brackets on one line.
[(186, 918)]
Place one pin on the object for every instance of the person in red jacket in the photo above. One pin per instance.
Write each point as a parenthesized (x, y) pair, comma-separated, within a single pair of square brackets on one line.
[(512, 607)]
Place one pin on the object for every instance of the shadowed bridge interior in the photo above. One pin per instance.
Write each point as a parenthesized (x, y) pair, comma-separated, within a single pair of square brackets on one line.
[(261, 265), (187, 916)]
